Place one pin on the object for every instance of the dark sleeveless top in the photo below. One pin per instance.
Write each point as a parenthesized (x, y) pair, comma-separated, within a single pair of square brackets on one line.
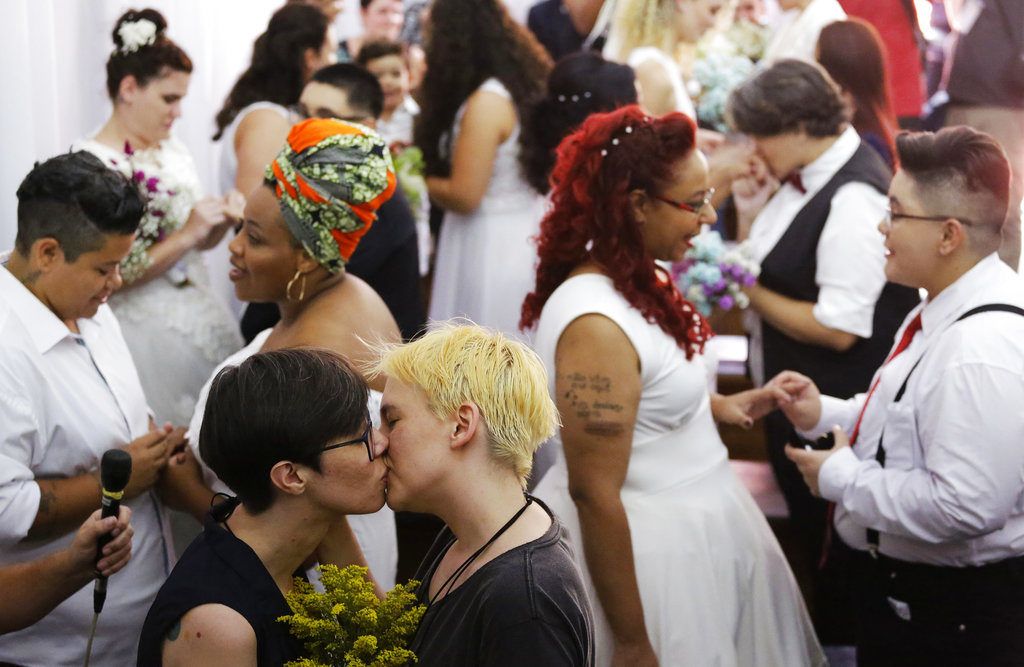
[(790, 269), (219, 568)]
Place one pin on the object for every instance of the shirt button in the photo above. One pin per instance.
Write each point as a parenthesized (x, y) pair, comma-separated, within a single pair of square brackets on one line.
[(961, 628), (892, 575)]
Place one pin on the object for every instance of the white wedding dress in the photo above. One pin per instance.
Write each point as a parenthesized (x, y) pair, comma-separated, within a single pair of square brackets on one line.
[(374, 532), (714, 584), (485, 260), (178, 330)]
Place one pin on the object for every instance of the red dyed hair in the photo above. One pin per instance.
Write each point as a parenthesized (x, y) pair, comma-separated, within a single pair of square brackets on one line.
[(591, 216), (855, 57)]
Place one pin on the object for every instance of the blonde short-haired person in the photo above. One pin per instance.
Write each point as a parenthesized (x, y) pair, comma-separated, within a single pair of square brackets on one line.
[(464, 409)]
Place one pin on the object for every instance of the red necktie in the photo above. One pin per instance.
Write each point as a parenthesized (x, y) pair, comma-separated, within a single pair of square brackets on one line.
[(796, 181), (908, 335)]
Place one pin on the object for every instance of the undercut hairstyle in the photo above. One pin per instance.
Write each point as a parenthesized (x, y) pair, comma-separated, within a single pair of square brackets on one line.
[(457, 363), (284, 405), (277, 70), (76, 200), (148, 62), (580, 84), (362, 89), (789, 96), (380, 48), (960, 172)]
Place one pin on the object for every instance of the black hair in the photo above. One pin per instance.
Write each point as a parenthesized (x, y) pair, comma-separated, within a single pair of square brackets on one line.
[(579, 85), (788, 96), (362, 89), (75, 199), (380, 48), (145, 62), (277, 70), (962, 159), (471, 42), (284, 405)]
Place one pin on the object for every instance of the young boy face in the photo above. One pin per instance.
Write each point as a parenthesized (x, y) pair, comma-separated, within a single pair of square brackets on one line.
[(394, 79)]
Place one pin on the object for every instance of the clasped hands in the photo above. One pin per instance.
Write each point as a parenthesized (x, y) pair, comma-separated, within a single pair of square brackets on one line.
[(163, 459)]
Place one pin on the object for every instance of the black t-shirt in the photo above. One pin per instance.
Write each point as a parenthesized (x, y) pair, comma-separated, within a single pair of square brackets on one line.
[(219, 568), (526, 607)]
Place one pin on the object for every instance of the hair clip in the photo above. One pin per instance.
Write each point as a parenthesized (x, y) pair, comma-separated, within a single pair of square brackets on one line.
[(135, 35)]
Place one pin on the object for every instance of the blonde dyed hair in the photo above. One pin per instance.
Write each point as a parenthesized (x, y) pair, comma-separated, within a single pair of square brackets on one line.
[(637, 23), (456, 364)]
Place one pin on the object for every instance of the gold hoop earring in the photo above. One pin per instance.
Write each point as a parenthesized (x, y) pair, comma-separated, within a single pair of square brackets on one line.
[(302, 287)]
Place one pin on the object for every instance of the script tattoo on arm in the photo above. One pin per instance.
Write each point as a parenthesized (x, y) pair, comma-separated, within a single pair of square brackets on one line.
[(587, 396)]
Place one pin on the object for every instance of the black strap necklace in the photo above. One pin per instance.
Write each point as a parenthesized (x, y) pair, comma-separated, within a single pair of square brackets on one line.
[(449, 583)]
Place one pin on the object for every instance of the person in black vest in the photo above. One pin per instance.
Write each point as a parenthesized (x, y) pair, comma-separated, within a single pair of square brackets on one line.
[(822, 305), (388, 255), (930, 496), (289, 432)]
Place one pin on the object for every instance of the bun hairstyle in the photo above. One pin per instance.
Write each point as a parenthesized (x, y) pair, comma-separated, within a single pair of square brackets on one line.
[(141, 52)]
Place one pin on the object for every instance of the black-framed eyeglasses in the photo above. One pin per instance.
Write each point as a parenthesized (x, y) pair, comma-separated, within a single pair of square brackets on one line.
[(891, 215), (694, 206), (365, 439)]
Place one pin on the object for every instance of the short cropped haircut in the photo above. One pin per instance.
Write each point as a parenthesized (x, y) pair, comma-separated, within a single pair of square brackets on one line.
[(961, 171), (362, 89), (380, 48), (284, 405), (788, 96), (75, 199), (456, 364)]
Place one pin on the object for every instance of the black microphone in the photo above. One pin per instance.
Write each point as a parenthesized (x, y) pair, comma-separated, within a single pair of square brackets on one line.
[(115, 470)]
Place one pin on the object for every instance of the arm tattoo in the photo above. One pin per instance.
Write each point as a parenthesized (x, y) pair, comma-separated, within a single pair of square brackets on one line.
[(175, 630), (598, 415)]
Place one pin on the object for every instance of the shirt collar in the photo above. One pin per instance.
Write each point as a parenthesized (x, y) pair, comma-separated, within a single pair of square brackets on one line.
[(816, 174), (951, 302), (45, 328)]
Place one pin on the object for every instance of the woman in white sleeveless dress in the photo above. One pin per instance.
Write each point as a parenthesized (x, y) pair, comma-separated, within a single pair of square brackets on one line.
[(681, 565), (176, 328), (291, 251), (482, 68)]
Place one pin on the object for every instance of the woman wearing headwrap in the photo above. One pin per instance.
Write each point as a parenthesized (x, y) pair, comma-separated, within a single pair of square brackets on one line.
[(319, 197)]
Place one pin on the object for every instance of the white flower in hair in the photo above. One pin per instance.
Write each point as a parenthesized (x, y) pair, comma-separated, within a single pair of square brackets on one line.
[(136, 34)]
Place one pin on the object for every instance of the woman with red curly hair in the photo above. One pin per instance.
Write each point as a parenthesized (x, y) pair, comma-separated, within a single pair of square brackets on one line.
[(674, 551)]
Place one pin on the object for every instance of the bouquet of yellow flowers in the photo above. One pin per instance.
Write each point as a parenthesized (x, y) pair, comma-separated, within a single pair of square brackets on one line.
[(348, 624)]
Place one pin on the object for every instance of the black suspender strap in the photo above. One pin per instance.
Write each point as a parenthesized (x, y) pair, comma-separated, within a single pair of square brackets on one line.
[(872, 534)]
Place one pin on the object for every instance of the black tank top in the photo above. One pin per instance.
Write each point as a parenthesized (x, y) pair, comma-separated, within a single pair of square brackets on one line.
[(218, 568)]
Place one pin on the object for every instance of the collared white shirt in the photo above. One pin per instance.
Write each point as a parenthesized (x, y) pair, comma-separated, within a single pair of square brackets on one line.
[(796, 33), (399, 126), (64, 400), (850, 255), (952, 489)]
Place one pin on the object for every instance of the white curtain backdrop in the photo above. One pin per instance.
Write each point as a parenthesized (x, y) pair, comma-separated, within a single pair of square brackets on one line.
[(52, 74)]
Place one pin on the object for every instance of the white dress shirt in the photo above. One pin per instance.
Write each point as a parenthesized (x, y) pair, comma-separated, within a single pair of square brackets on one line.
[(850, 256), (952, 489), (796, 33), (64, 400)]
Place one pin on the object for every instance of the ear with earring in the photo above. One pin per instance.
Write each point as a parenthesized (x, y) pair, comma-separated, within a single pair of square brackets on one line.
[(302, 286)]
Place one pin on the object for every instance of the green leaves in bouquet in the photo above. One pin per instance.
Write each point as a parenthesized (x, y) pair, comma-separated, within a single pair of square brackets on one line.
[(348, 625)]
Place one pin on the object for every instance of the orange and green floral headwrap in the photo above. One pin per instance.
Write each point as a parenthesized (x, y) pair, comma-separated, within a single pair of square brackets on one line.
[(330, 179)]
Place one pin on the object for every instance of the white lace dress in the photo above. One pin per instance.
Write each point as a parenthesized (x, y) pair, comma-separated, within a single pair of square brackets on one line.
[(714, 584), (485, 259), (374, 532), (177, 329)]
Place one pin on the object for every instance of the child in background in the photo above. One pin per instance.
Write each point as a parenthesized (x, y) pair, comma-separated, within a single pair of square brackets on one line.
[(385, 59)]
